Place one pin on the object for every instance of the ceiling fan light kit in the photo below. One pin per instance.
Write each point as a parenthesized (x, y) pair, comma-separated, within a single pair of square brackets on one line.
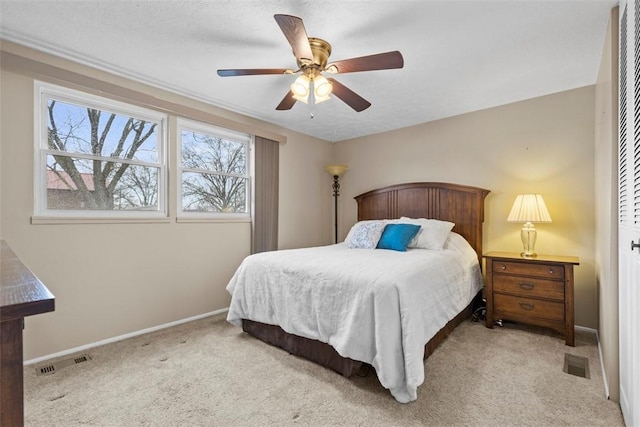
[(312, 55), (321, 88)]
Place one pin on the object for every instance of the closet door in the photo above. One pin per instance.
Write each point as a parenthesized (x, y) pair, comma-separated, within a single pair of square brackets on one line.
[(629, 212)]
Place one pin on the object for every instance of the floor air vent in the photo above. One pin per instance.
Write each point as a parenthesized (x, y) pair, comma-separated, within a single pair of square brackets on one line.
[(576, 365), (54, 367)]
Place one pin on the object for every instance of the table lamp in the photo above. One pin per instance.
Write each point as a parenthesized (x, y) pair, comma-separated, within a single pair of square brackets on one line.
[(529, 208)]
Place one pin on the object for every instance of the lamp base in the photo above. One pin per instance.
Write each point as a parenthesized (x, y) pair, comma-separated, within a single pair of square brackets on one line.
[(528, 235)]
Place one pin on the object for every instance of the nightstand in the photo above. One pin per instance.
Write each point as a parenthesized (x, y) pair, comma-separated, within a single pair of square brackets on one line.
[(536, 291)]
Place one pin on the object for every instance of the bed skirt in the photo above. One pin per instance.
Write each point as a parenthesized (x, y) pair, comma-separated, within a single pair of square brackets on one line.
[(327, 356)]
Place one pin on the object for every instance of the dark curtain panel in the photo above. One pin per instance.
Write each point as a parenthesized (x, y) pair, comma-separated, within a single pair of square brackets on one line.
[(264, 234)]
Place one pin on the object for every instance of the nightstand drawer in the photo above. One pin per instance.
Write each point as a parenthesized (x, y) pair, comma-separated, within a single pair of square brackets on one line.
[(529, 287), (528, 307), (539, 270)]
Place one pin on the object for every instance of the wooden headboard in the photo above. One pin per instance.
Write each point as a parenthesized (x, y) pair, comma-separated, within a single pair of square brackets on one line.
[(460, 204)]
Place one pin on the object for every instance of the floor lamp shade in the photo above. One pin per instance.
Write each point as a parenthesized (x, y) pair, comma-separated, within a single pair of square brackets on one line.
[(336, 171), (527, 209)]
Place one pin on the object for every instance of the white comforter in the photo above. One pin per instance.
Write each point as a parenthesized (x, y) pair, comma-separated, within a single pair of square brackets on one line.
[(376, 306)]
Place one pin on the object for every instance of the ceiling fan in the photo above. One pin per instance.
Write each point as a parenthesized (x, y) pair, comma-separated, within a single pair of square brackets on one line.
[(312, 55)]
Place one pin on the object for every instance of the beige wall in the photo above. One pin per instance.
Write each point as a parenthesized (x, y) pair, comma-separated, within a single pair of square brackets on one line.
[(143, 275), (606, 192), (543, 145), (114, 279), (1, 108)]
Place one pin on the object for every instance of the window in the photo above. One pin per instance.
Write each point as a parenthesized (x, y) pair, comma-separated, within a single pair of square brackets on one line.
[(96, 157), (214, 172)]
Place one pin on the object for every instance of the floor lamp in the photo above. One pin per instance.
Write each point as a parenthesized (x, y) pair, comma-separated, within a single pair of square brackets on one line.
[(336, 171)]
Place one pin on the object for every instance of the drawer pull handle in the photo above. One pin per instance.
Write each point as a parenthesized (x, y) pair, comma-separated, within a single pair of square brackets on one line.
[(526, 306), (551, 271), (503, 267), (527, 286)]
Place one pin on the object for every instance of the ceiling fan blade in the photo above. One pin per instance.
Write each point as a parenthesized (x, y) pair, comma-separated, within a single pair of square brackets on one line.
[(253, 72), (287, 102), (293, 29), (349, 97), (380, 61)]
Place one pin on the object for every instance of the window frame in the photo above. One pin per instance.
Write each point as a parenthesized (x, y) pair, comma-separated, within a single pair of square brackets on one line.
[(43, 92), (228, 134)]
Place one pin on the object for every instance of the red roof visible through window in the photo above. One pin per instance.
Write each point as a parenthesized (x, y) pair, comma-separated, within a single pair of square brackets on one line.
[(60, 180)]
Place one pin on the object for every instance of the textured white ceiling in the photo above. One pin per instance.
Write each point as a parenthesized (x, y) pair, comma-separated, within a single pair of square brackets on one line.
[(460, 56)]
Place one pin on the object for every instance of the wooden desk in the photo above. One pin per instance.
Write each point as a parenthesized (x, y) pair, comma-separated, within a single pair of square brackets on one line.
[(21, 295)]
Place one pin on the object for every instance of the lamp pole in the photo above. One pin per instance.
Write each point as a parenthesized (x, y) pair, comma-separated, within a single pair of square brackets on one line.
[(336, 193), (336, 171)]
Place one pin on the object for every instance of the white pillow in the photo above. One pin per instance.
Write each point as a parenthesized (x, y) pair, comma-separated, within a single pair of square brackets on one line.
[(456, 242), (432, 235), (365, 234)]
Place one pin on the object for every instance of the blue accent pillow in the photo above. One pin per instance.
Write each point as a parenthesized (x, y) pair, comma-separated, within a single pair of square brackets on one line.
[(397, 236)]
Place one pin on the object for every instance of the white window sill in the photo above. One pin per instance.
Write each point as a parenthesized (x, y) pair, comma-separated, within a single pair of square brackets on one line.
[(96, 220), (195, 219)]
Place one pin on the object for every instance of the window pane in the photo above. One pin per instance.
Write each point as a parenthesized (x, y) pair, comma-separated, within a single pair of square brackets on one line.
[(83, 184), (210, 153), (204, 192), (78, 129)]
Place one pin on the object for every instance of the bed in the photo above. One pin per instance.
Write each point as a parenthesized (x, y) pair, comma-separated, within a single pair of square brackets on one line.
[(344, 307)]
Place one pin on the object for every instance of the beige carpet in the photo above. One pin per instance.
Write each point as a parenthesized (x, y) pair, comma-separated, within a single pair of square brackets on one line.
[(209, 373)]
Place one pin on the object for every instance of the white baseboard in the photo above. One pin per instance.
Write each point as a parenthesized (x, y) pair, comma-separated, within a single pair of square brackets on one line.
[(604, 373), (585, 329), (123, 337)]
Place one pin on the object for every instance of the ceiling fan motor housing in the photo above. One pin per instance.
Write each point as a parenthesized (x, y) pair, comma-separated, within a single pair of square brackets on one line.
[(321, 51)]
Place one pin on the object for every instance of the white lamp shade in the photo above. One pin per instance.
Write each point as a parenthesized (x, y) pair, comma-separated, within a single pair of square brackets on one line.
[(319, 99), (529, 208), (322, 87), (300, 88)]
